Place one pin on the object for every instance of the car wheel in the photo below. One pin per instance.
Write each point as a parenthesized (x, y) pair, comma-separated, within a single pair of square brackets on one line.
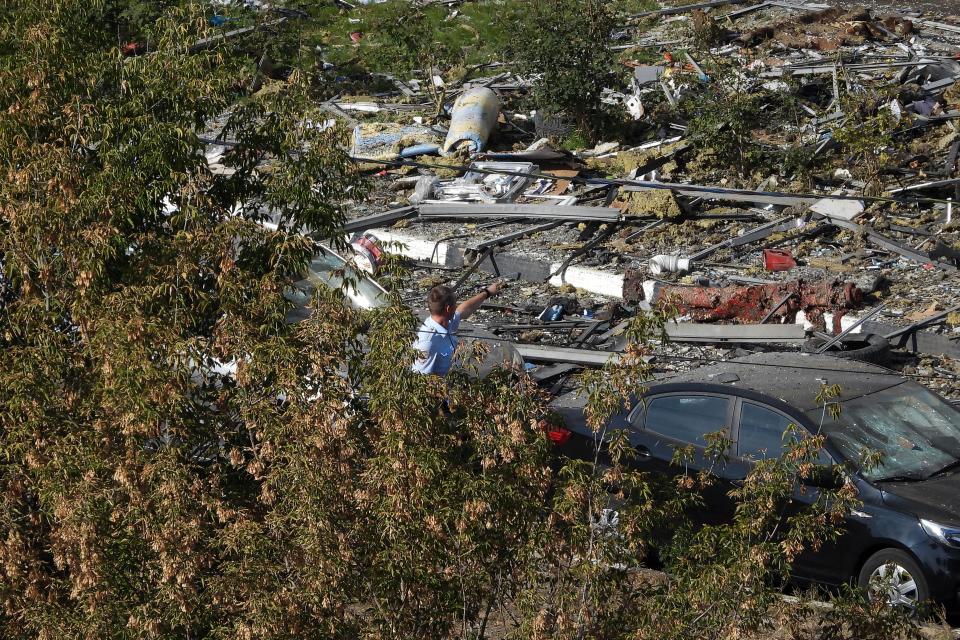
[(893, 576), (866, 347)]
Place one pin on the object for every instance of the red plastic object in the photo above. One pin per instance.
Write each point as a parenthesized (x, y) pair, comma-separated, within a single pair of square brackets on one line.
[(559, 435), (356, 36), (778, 260)]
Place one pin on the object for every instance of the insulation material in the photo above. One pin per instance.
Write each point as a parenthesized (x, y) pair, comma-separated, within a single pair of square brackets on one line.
[(387, 140)]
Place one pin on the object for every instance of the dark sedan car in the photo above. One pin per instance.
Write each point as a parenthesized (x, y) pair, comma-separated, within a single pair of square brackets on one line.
[(906, 534)]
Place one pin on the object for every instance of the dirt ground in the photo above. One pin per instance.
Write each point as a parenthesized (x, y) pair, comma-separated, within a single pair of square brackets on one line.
[(945, 7)]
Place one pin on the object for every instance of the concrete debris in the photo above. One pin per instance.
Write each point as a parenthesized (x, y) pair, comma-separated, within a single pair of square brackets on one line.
[(656, 202)]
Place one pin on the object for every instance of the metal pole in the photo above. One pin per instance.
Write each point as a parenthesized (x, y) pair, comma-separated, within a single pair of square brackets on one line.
[(916, 326), (856, 324), (776, 308)]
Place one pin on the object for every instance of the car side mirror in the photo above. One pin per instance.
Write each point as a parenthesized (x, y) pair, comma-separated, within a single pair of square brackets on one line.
[(825, 477)]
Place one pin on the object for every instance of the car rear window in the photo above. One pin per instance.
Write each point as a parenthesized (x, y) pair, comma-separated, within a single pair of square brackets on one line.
[(687, 418)]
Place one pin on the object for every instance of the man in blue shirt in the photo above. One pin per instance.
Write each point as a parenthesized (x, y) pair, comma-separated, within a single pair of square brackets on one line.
[(437, 337)]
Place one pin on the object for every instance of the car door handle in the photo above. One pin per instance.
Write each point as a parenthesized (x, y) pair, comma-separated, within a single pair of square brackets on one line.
[(643, 454)]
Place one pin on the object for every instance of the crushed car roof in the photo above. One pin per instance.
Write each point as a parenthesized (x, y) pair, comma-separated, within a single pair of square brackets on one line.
[(795, 378)]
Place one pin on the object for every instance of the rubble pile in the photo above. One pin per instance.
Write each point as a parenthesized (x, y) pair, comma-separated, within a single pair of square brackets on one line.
[(784, 171)]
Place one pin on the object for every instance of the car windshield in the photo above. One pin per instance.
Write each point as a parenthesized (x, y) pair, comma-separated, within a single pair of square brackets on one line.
[(329, 269), (917, 433)]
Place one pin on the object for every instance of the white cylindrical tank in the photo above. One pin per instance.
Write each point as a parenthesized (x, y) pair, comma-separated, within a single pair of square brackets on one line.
[(472, 119)]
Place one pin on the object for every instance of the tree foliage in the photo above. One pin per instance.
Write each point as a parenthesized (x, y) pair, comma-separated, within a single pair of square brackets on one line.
[(559, 42), (180, 461), (408, 44)]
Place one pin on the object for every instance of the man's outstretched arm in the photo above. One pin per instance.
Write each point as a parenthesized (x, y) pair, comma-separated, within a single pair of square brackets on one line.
[(468, 306)]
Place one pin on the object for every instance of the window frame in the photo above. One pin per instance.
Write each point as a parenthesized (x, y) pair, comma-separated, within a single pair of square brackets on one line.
[(643, 405)]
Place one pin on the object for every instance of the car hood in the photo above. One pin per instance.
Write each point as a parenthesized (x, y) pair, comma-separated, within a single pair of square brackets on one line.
[(936, 499)]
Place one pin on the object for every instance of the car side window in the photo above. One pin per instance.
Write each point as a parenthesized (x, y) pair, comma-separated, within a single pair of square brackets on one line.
[(761, 432), (687, 418)]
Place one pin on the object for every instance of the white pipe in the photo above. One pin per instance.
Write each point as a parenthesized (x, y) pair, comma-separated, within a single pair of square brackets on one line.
[(668, 264)]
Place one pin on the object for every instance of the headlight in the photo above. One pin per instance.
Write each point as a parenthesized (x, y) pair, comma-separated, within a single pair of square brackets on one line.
[(949, 536)]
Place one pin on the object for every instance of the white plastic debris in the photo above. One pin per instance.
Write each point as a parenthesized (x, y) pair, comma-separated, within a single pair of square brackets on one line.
[(634, 107), (838, 208), (896, 109)]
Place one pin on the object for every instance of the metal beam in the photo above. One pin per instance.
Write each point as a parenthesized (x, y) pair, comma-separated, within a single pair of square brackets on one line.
[(804, 6), (817, 69), (333, 109), (552, 371), (918, 341), (584, 357), (379, 219), (928, 185), (936, 85), (516, 235), (837, 338), (733, 15), (890, 245), (926, 322), (776, 308), (511, 210), (739, 333), (758, 233), (729, 195), (206, 43), (937, 25)]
